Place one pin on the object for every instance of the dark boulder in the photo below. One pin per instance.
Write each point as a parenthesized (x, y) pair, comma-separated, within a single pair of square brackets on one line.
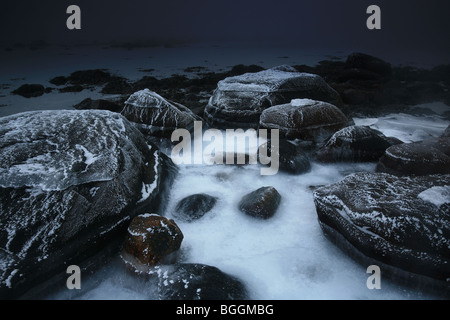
[(355, 144), (194, 207), (100, 104), (291, 158), (261, 203), (369, 63), (304, 119), (431, 156), (401, 224), (157, 116), (197, 282), (30, 90), (239, 101), (70, 183)]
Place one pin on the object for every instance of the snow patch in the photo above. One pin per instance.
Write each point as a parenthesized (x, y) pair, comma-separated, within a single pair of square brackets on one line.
[(436, 195)]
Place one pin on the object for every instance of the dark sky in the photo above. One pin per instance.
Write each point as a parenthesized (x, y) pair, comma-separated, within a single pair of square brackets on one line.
[(315, 23)]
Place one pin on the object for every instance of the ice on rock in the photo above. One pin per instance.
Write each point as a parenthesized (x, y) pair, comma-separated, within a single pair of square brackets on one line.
[(436, 195)]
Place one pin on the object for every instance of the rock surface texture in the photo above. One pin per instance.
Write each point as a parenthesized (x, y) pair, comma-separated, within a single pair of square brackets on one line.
[(400, 222), (70, 183)]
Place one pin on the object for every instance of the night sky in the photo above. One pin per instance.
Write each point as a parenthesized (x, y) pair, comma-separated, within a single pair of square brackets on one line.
[(423, 24)]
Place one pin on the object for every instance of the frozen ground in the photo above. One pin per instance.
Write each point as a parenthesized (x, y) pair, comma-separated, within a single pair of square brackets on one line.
[(285, 257)]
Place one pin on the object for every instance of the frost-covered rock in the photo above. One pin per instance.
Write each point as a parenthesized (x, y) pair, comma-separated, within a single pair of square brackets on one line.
[(431, 156), (157, 116), (70, 183), (355, 144), (304, 119), (151, 239), (401, 224), (194, 206), (238, 101), (261, 203)]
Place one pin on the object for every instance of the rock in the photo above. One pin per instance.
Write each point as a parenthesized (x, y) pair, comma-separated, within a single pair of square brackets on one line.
[(58, 81), (101, 104), (367, 62), (304, 119), (431, 156), (89, 77), (157, 116), (117, 85), (70, 183), (150, 240), (194, 207), (238, 101), (30, 90), (197, 282), (75, 88), (292, 159), (261, 203), (446, 133), (355, 144), (401, 224)]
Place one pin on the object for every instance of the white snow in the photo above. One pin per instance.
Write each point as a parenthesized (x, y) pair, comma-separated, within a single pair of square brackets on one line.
[(302, 102), (436, 195)]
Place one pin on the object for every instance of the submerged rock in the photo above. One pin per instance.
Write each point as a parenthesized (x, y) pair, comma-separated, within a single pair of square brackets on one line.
[(355, 144), (155, 115), (261, 203), (238, 101), (70, 183), (304, 119), (399, 223), (194, 206), (431, 156), (151, 239)]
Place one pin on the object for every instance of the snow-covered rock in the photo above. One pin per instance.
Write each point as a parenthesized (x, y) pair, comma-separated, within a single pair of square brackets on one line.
[(355, 144), (304, 119), (157, 116), (238, 101), (394, 222), (431, 156), (70, 183)]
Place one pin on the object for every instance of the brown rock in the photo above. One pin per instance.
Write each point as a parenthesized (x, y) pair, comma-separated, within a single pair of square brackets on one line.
[(150, 239)]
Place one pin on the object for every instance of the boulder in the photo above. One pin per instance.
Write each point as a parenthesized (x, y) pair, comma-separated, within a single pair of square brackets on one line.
[(30, 90), (401, 224), (191, 281), (368, 63), (355, 144), (261, 203), (291, 158), (304, 119), (238, 101), (431, 156), (155, 115), (70, 183), (194, 207), (151, 239), (101, 104)]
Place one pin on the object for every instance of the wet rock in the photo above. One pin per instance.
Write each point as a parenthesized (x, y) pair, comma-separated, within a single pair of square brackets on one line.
[(366, 62), (30, 90), (446, 133), (355, 144), (239, 101), (292, 159), (157, 116), (431, 156), (70, 183), (151, 239), (197, 282), (194, 206), (261, 203), (101, 104), (304, 119), (398, 223)]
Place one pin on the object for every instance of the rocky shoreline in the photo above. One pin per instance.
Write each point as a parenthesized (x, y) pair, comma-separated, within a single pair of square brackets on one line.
[(74, 183)]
